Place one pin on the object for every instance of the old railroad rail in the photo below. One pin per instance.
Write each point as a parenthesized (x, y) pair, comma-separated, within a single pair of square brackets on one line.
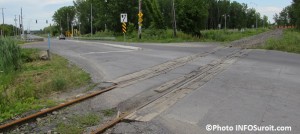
[(166, 94), (120, 82), (169, 93)]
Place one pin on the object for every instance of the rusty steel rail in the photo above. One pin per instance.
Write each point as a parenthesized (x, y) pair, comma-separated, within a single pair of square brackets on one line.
[(185, 81), (62, 105), (110, 124), (116, 84)]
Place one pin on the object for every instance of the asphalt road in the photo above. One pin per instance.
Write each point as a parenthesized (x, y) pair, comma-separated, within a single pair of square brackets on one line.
[(108, 62), (261, 88)]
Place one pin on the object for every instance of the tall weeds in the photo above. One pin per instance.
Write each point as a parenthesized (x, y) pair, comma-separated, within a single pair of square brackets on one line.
[(288, 43), (10, 55)]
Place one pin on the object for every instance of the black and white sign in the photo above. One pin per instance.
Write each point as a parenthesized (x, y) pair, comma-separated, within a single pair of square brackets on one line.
[(123, 17)]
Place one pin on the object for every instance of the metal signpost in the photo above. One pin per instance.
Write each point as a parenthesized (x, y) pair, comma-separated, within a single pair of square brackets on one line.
[(48, 51)]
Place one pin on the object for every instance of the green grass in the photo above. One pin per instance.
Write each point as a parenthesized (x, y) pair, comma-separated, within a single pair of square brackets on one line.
[(288, 43), (109, 112), (158, 36), (77, 124), (29, 87), (229, 35), (166, 36)]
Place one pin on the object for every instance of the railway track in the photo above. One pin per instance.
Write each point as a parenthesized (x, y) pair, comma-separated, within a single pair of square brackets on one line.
[(161, 97), (118, 83), (170, 92)]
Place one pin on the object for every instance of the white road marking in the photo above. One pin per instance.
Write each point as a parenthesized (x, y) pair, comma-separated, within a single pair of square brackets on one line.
[(111, 45), (124, 51)]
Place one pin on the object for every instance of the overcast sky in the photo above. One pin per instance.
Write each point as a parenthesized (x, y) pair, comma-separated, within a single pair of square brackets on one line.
[(43, 10)]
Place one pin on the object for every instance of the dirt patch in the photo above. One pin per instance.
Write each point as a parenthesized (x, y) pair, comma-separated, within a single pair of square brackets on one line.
[(257, 40)]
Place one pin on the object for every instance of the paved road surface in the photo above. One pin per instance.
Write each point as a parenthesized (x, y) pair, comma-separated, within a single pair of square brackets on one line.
[(261, 88)]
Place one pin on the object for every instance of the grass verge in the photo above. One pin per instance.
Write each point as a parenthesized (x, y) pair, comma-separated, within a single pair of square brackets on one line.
[(29, 87), (288, 43), (166, 36)]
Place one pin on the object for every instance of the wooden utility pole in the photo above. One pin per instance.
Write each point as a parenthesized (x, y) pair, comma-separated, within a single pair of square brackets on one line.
[(15, 28), (2, 31), (22, 26), (91, 19), (174, 19)]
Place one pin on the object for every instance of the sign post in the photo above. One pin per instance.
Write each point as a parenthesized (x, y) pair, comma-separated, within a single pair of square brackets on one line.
[(48, 51), (124, 21)]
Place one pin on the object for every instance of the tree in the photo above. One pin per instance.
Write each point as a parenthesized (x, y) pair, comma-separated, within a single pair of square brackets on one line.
[(157, 21), (8, 30), (251, 18), (238, 15), (192, 15), (63, 17), (166, 11), (265, 21), (296, 10)]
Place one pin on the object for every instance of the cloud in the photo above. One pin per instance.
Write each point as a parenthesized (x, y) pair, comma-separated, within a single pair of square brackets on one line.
[(40, 10), (269, 11)]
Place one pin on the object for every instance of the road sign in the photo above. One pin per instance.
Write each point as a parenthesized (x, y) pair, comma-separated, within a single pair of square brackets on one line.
[(123, 17), (140, 14), (124, 29), (140, 20)]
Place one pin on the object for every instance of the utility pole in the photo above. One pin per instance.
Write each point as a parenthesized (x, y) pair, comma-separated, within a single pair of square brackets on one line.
[(2, 31), (68, 22), (60, 26), (174, 20), (15, 30), (140, 23), (225, 21), (3, 15), (105, 26), (22, 21), (225, 15), (256, 20), (255, 14), (19, 31), (91, 19)]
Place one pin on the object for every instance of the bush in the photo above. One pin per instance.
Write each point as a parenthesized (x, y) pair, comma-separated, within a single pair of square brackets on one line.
[(10, 55)]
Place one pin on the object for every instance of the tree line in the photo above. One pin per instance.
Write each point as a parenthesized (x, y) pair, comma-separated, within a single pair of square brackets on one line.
[(289, 16), (191, 15), (9, 30)]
